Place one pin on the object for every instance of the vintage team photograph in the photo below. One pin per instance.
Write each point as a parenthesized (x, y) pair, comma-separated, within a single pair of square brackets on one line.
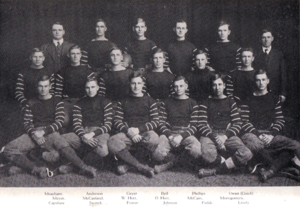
[(149, 93)]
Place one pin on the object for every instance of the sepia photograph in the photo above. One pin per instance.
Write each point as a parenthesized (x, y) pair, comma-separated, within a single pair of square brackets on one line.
[(149, 94)]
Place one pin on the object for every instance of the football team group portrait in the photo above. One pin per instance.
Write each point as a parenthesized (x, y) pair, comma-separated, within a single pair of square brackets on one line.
[(167, 93)]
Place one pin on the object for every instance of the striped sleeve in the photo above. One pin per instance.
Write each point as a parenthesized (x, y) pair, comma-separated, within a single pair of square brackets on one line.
[(19, 90), (247, 127), (28, 120), (279, 121), (236, 122), (59, 119), (238, 60), (102, 87), (77, 121), (59, 85), (154, 119), (192, 128), (164, 126), (119, 119), (84, 58), (208, 56), (108, 117), (203, 127), (229, 86)]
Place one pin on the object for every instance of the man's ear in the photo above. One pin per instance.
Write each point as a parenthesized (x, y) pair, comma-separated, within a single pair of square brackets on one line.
[(133, 29), (174, 29), (229, 31), (145, 28)]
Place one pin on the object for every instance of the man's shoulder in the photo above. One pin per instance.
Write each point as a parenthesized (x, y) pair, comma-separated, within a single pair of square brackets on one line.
[(68, 44)]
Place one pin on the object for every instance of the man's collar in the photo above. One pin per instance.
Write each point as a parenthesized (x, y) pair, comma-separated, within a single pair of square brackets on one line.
[(269, 49), (60, 41)]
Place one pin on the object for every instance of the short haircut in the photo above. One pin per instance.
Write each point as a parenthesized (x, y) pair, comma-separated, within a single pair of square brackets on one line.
[(36, 50), (260, 71), (198, 52), (178, 78), (136, 74), (138, 20), (216, 76), (265, 30), (44, 78), (157, 50), (58, 23), (247, 49), (101, 20), (115, 48), (180, 21), (74, 47), (92, 78), (223, 22)]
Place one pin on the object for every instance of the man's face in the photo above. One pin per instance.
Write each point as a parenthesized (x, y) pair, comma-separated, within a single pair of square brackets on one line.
[(37, 59), (58, 32), (44, 88), (140, 29), (201, 61), (223, 32), (100, 29), (136, 85), (261, 81), (180, 87), (247, 58), (218, 87), (91, 88), (267, 39), (116, 57), (75, 55), (158, 60), (180, 29)]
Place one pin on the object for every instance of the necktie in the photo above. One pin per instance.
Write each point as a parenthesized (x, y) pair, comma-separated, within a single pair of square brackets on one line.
[(266, 55), (58, 47)]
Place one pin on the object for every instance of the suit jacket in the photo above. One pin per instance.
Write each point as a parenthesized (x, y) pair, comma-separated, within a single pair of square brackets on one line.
[(52, 59), (275, 66)]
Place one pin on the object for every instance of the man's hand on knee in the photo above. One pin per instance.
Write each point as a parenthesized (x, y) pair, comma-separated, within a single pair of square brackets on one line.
[(39, 140), (132, 132), (266, 138), (175, 142), (137, 138), (220, 140)]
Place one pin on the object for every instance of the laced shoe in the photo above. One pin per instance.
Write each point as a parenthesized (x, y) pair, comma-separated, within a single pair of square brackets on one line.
[(14, 170), (88, 171), (40, 171), (264, 174), (122, 169), (65, 169), (163, 167), (146, 170), (207, 172)]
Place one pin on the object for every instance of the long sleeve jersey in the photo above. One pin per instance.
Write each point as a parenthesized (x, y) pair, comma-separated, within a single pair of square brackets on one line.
[(26, 85), (115, 84), (92, 112), (140, 51), (262, 113), (219, 114), (44, 113), (223, 56), (159, 84), (138, 112), (71, 80), (179, 113)]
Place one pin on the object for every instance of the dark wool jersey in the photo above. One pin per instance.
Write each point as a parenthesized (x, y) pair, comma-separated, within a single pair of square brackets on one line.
[(262, 113), (243, 83), (224, 56), (44, 113), (70, 81), (199, 84), (138, 112), (92, 112), (179, 113), (98, 53), (140, 51), (181, 56), (26, 86), (115, 84), (219, 114), (158, 84)]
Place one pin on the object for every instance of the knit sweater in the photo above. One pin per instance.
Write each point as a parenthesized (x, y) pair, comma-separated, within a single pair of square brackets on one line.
[(138, 112), (71, 80), (26, 85), (219, 114), (92, 112), (181, 56), (140, 51), (262, 113), (44, 113), (179, 113)]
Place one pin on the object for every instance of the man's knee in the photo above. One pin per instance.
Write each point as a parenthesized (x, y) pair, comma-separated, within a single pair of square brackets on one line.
[(60, 144), (115, 143), (243, 154), (209, 150), (193, 147), (252, 142), (101, 150)]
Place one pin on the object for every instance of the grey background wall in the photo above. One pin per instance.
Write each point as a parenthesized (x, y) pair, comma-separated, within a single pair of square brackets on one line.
[(26, 24)]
